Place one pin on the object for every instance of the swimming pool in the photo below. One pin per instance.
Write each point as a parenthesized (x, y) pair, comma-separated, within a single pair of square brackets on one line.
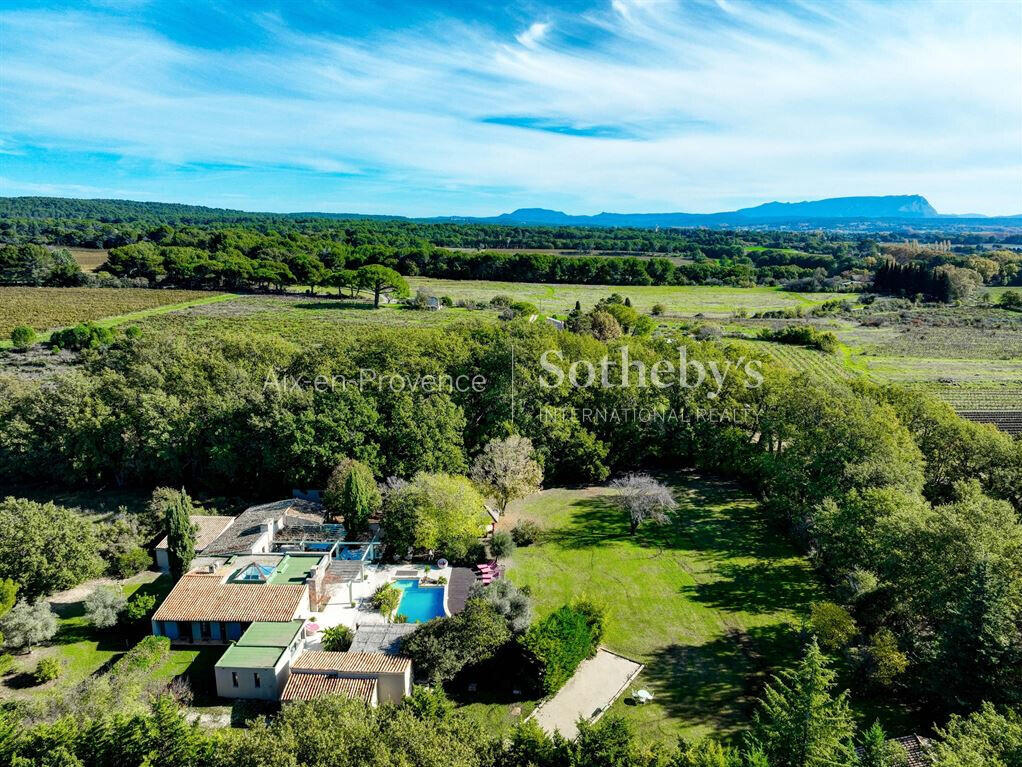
[(420, 603)]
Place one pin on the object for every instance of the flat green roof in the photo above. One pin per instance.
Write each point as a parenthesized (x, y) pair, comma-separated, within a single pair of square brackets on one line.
[(239, 656), (270, 634), (294, 568)]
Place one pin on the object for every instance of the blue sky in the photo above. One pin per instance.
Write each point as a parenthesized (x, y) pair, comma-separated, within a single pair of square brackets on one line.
[(426, 108)]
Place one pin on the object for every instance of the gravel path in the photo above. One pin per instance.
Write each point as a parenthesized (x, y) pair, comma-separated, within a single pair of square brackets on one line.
[(596, 684)]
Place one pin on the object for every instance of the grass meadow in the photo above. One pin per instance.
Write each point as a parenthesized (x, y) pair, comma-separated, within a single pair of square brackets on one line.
[(710, 603)]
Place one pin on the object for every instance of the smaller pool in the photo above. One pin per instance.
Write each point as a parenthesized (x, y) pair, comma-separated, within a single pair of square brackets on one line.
[(420, 603)]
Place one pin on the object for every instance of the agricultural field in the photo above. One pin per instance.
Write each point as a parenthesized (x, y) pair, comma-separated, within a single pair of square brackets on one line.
[(684, 300), (829, 366), (710, 602), (90, 259), (48, 308)]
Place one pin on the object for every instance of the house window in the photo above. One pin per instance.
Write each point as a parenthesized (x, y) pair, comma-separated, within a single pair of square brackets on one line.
[(234, 678), (258, 681)]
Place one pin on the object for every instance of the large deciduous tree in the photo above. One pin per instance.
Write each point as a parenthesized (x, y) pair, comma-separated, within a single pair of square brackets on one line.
[(437, 512), (643, 497), (46, 548), (507, 469)]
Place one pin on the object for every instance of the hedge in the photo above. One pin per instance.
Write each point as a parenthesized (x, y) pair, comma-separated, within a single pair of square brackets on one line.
[(556, 645), (145, 656)]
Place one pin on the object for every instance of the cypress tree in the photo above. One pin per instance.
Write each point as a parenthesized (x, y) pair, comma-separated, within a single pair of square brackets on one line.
[(800, 723)]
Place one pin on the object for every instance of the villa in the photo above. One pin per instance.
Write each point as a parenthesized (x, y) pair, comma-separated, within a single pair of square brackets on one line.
[(260, 582)]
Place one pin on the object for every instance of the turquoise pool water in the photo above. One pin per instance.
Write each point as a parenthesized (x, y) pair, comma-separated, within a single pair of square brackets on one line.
[(420, 603)]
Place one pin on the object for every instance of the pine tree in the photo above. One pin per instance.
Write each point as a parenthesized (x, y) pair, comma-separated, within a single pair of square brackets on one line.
[(800, 723)]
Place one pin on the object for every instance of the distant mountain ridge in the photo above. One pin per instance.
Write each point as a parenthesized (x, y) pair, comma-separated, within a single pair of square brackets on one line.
[(852, 213), (892, 207)]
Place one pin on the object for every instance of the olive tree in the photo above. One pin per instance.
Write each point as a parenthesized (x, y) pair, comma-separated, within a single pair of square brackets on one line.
[(507, 469), (28, 624), (643, 497), (104, 606)]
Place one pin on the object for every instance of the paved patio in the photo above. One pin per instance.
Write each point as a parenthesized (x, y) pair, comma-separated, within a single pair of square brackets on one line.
[(597, 683)]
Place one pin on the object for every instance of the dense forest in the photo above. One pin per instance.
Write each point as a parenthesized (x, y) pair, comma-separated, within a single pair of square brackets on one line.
[(187, 246)]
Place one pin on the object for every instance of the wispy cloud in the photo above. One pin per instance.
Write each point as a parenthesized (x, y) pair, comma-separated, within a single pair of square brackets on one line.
[(534, 34), (625, 106)]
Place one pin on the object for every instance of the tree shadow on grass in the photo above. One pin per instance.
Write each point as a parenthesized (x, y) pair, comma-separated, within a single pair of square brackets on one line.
[(718, 683), (761, 587), (596, 521), (711, 517)]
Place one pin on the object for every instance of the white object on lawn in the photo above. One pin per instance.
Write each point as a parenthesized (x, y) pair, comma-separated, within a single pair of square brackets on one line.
[(644, 696)]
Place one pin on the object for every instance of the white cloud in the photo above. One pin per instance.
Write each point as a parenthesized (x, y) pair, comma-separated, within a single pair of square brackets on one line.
[(534, 34), (717, 109)]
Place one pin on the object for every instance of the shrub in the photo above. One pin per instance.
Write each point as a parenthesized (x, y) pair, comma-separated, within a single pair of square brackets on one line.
[(140, 607), (502, 545), (337, 638), (6, 663), (556, 645), (149, 653), (525, 532), (87, 335), (658, 310), (802, 335), (47, 670), (442, 647), (833, 625), (22, 337), (709, 333), (386, 599), (132, 561), (104, 606)]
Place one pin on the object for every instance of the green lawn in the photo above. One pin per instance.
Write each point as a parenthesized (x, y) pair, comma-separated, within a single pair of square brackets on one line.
[(85, 651), (708, 602)]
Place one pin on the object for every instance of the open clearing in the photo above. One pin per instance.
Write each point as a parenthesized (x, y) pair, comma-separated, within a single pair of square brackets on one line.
[(687, 300), (710, 602)]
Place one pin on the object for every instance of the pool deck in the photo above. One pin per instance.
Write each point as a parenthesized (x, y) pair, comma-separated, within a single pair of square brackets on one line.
[(462, 579)]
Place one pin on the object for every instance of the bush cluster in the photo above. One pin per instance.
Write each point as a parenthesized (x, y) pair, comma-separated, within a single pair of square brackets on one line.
[(556, 645)]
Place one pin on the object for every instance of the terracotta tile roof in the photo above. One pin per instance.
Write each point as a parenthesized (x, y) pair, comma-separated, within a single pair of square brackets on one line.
[(351, 662), (198, 597), (309, 686), (209, 529)]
